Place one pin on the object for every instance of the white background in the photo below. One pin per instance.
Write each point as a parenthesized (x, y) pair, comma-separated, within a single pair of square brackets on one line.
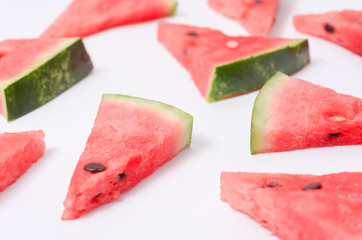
[(181, 199)]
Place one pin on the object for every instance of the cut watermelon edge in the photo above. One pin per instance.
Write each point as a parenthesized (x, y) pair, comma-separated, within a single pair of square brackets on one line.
[(260, 109), (297, 43), (185, 118), (59, 47)]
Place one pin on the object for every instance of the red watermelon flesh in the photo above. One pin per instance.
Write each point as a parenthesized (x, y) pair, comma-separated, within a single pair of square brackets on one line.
[(343, 28), (202, 50), (131, 138), (18, 151), (18, 55), (257, 16), (292, 114), (331, 208), (86, 17)]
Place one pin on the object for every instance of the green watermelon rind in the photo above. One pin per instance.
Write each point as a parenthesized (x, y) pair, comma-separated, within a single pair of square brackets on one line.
[(59, 70), (173, 6), (260, 111), (250, 74), (185, 118)]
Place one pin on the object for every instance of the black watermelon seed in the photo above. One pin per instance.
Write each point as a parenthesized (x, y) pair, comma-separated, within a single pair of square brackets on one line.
[(312, 186), (334, 135), (95, 198), (94, 167), (329, 28), (121, 176), (258, 1), (193, 34), (272, 184)]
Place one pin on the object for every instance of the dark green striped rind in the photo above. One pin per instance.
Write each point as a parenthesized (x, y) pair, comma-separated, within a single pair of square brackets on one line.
[(46, 82), (249, 74)]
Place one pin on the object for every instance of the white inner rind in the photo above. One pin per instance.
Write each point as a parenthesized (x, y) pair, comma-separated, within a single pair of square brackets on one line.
[(260, 111), (185, 118)]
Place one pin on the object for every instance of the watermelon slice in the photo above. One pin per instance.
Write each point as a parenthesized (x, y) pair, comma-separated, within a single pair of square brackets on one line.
[(257, 16), (18, 151), (299, 207), (130, 139), (86, 17), (34, 71), (343, 28), (292, 114), (223, 66)]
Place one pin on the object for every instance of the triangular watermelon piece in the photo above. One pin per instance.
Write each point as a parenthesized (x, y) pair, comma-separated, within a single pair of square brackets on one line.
[(18, 151), (34, 71), (257, 16), (130, 139), (292, 114), (299, 207), (223, 66), (86, 17), (343, 28)]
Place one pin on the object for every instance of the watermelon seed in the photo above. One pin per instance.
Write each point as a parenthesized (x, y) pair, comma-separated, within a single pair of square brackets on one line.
[(312, 186), (329, 28), (337, 118), (193, 34), (94, 167), (94, 199), (334, 135), (258, 1), (272, 184), (232, 44), (121, 176)]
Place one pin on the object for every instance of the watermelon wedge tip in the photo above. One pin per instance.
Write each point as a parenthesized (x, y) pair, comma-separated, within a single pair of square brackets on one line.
[(86, 17), (256, 16), (341, 27), (18, 151)]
